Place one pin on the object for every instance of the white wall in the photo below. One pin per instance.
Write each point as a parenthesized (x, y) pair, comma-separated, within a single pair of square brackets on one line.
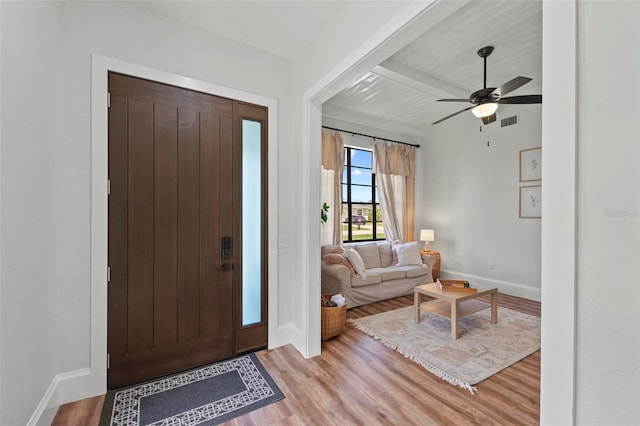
[(29, 234), (608, 290), (469, 196)]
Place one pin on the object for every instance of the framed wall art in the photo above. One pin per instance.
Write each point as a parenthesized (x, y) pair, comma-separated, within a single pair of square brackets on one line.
[(530, 164), (531, 202)]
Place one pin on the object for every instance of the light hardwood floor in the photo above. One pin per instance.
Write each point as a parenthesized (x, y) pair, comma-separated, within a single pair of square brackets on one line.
[(357, 380)]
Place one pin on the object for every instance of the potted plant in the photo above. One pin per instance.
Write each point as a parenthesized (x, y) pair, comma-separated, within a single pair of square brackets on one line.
[(324, 210)]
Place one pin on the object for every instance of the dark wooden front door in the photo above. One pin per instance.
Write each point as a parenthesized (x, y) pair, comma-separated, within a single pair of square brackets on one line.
[(173, 201)]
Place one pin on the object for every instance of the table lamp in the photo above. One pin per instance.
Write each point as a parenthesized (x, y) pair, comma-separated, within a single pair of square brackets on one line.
[(427, 235)]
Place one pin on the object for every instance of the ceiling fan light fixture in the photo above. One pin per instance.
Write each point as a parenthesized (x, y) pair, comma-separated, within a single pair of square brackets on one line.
[(485, 110)]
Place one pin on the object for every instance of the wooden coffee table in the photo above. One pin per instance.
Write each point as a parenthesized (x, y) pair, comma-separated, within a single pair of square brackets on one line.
[(453, 304)]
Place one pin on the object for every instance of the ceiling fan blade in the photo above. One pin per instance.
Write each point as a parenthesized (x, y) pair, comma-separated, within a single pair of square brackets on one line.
[(452, 115), (489, 119), (453, 100), (510, 86), (525, 99)]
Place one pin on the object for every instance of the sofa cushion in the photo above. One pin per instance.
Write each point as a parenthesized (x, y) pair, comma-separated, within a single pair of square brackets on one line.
[(368, 279), (370, 255), (418, 271), (387, 274), (408, 254), (412, 271), (356, 262), (386, 254)]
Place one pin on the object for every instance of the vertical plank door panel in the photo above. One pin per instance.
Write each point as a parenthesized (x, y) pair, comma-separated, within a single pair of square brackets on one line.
[(140, 226), (188, 225), (165, 315), (117, 258), (210, 265), (229, 225)]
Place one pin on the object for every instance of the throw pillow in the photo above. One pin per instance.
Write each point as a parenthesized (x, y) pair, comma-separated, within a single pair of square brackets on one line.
[(369, 254), (339, 250), (338, 259), (394, 243), (408, 254), (357, 262), (386, 254)]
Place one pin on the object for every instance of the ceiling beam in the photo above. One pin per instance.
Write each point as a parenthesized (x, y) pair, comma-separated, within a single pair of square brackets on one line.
[(419, 81)]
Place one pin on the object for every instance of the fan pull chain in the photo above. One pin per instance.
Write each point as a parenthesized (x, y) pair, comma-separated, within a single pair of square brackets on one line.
[(488, 142)]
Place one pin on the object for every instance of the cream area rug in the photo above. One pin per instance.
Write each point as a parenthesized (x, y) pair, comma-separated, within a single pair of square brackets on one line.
[(481, 350)]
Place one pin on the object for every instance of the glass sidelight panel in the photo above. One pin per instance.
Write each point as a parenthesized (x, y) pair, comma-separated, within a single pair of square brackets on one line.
[(251, 222)]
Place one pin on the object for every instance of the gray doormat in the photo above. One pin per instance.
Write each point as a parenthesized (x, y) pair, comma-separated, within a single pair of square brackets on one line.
[(207, 395)]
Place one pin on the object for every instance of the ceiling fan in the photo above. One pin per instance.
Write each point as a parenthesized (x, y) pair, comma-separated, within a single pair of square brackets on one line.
[(485, 101)]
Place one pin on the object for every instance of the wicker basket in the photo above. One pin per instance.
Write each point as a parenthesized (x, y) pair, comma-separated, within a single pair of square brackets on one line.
[(332, 321)]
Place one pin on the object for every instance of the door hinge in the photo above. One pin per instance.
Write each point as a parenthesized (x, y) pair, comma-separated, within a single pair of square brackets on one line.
[(108, 99), (108, 273), (108, 186), (108, 361)]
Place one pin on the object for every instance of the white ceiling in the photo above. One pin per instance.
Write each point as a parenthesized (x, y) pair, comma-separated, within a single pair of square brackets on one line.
[(400, 94)]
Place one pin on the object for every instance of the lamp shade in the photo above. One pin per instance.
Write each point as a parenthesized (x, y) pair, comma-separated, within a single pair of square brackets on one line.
[(484, 110), (427, 235)]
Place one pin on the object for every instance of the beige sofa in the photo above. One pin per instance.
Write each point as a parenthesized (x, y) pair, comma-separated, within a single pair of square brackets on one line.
[(382, 278)]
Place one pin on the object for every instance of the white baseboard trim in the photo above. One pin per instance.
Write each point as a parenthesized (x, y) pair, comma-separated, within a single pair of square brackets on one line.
[(506, 287), (44, 403), (281, 337), (298, 340), (65, 387)]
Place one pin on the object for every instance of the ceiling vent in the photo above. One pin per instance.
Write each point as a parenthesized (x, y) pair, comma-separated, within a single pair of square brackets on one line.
[(509, 121)]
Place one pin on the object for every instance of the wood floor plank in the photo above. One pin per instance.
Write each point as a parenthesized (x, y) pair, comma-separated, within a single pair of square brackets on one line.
[(358, 381), (83, 412)]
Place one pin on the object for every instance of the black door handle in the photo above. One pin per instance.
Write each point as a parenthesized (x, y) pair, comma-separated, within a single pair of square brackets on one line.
[(225, 248), (225, 267)]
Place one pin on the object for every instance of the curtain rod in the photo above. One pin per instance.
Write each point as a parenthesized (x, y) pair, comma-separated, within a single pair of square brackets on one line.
[(369, 136)]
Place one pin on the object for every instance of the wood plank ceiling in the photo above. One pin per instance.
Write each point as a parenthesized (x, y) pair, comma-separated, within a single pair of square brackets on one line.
[(400, 94)]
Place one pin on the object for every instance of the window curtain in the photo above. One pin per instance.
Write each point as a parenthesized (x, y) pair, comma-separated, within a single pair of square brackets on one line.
[(395, 168), (331, 186)]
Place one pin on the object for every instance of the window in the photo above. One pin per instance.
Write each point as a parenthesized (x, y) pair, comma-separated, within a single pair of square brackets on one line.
[(251, 228), (361, 214)]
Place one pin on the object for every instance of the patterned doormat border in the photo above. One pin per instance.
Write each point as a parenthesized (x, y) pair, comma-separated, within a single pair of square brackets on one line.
[(122, 407)]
